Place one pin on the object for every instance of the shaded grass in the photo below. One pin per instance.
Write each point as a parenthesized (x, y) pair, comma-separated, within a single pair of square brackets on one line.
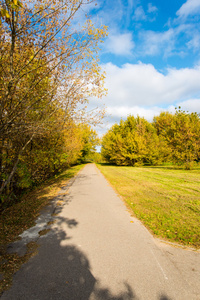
[(21, 216), (17, 218), (166, 200)]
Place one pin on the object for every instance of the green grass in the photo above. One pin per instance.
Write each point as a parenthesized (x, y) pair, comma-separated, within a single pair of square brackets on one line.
[(22, 215), (166, 200)]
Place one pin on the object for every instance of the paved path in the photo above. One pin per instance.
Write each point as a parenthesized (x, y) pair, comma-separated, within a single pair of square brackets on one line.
[(97, 251)]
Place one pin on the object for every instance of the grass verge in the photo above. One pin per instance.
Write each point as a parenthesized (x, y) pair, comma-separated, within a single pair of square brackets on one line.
[(166, 200), (21, 216)]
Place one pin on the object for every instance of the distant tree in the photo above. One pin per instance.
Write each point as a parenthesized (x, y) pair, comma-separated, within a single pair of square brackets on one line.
[(185, 138), (89, 141), (111, 145), (132, 142), (181, 135), (170, 138)]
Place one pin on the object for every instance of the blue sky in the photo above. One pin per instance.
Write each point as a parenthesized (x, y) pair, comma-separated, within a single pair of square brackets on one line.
[(151, 56)]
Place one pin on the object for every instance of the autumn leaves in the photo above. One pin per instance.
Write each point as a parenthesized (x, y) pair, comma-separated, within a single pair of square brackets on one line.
[(48, 68)]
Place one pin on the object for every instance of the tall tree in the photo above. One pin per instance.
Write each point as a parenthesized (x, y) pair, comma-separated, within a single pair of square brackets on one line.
[(47, 63)]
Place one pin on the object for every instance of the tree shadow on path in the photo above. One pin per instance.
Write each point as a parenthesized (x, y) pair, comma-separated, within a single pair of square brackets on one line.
[(59, 272)]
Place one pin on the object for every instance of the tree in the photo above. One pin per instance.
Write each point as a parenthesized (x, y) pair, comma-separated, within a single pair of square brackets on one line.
[(47, 64), (162, 124), (111, 144), (49, 153), (89, 141), (170, 138), (184, 138), (132, 142), (180, 132)]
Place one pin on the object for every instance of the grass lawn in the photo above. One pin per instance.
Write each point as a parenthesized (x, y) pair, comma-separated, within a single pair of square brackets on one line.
[(17, 218), (166, 200)]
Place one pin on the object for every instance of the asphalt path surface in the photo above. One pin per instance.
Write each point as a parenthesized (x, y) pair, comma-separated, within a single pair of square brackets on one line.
[(96, 250)]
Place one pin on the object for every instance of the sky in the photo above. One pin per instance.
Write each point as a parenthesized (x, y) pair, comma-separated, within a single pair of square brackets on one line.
[(151, 57)]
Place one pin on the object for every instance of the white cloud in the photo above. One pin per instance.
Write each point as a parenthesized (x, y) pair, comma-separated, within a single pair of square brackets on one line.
[(154, 42), (141, 84), (194, 43), (121, 112), (190, 7), (116, 113), (168, 42), (139, 14), (140, 89), (119, 44), (191, 105), (151, 8), (116, 14)]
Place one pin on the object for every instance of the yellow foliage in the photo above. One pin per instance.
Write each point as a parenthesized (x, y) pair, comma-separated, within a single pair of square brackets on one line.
[(48, 69)]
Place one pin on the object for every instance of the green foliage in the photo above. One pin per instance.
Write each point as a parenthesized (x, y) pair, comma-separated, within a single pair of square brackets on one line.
[(96, 157), (89, 141), (180, 133), (170, 138), (57, 148), (23, 176), (132, 142)]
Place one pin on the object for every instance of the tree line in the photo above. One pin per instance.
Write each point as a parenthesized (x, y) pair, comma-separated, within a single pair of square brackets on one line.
[(48, 68), (170, 137)]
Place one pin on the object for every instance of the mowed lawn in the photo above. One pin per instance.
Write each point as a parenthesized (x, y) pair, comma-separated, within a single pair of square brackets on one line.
[(166, 200)]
